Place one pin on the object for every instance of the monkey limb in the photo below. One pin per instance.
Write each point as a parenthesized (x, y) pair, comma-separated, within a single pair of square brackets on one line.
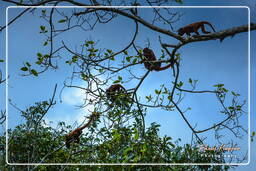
[(151, 63), (194, 27), (74, 135)]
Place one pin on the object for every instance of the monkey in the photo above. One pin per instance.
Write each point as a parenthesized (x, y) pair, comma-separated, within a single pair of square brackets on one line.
[(151, 63), (74, 135), (114, 90), (113, 94), (194, 27)]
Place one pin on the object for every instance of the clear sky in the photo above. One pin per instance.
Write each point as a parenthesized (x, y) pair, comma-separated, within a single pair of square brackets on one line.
[(209, 62)]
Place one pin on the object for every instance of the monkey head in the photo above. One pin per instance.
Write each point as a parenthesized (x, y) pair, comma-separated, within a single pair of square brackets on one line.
[(149, 54), (181, 31)]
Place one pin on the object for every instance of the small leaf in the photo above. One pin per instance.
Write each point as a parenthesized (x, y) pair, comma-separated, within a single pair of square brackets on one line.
[(1, 60), (62, 21), (34, 72), (109, 50), (84, 76), (190, 80), (149, 98), (157, 92), (38, 62), (169, 97), (117, 81), (46, 56), (181, 84), (230, 108), (120, 78), (28, 64), (225, 90), (90, 42), (100, 70), (24, 69), (42, 28), (179, 1), (39, 54), (128, 58), (136, 136), (45, 43)]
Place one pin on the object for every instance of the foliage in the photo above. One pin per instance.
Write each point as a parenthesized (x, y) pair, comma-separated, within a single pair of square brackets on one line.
[(33, 142), (119, 135)]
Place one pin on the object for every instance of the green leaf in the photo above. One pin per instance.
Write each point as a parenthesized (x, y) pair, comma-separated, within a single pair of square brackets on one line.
[(45, 43), (24, 69), (42, 28), (120, 78), (157, 92), (169, 97), (218, 85), (1, 60), (90, 42), (149, 98), (38, 62), (46, 56), (128, 58), (34, 72), (28, 64), (125, 52), (230, 108), (190, 81), (136, 136), (101, 70), (90, 50), (62, 21), (117, 81), (179, 1), (109, 50), (180, 84), (39, 54), (84, 76), (74, 58)]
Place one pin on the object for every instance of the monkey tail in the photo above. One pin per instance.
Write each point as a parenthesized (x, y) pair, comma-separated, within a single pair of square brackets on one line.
[(164, 68), (91, 119), (206, 22)]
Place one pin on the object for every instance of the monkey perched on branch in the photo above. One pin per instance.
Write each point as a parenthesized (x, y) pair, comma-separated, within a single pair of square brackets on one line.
[(194, 27), (151, 63), (74, 135), (118, 95)]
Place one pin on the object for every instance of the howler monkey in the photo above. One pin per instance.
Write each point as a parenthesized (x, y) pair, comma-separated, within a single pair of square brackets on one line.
[(116, 93), (151, 63), (194, 27), (74, 135)]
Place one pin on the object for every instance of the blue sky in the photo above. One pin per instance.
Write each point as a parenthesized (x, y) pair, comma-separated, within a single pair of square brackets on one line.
[(210, 62)]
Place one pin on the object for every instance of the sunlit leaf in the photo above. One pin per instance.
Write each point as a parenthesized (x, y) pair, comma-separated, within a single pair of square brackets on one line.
[(62, 21), (34, 72), (24, 69)]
